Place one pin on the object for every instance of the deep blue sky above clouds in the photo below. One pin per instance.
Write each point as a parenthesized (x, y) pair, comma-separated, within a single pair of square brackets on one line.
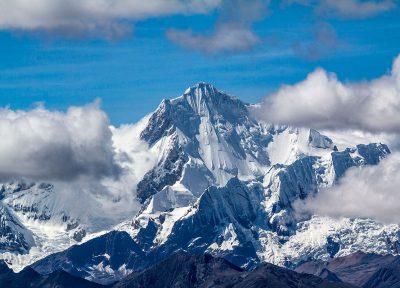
[(133, 73)]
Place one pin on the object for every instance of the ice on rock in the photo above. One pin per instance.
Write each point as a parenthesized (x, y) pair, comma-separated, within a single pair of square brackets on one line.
[(319, 141), (14, 237), (206, 137)]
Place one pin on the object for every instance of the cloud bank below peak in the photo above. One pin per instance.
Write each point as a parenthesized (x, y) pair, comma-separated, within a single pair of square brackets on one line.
[(321, 101)]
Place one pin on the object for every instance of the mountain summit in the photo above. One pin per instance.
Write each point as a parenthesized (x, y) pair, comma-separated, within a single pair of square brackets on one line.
[(206, 100), (206, 137), (225, 184)]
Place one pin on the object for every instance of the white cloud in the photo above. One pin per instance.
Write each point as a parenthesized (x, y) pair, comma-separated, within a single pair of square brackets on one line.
[(98, 18), (321, 101), (369, 192), (79, 153), (43, 145), (232, 31), (132, 153)]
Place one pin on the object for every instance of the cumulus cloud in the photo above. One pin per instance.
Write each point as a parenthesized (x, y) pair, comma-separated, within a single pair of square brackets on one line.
[(82, 156), (44, 145), (95, 18), (232, 33), (369, 192), (321, 101)]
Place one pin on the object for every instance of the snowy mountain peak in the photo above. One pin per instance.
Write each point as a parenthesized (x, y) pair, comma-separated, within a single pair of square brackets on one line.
[(201, 89), (206, 100), (221, 182), (202, 101)]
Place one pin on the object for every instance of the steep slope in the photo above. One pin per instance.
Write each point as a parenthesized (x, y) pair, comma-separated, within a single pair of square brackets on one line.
[(14, 236), (203, 138)]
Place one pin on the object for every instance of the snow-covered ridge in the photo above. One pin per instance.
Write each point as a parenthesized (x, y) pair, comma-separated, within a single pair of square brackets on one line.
[(209, 139), (225, 183)]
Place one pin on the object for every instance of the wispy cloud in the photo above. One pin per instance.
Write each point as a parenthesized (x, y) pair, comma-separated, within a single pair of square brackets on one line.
[(354, 9), (322, 101), (91, 18), (347, 9), (232, 33), (324, 41), (226, 38)]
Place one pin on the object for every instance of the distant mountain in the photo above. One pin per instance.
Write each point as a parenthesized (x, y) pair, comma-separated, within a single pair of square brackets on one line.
[(360, 269)]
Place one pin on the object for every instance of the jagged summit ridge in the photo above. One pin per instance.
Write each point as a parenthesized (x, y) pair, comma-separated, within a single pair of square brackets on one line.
[(206, 100), (201, 89), (204, 137), (186, 112)]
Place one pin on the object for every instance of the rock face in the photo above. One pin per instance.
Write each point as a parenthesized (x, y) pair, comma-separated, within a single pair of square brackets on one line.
[(205, 271), (361, 269), (225, 184)]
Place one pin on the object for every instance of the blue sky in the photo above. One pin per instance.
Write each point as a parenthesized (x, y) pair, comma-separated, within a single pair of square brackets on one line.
[(133, 74)]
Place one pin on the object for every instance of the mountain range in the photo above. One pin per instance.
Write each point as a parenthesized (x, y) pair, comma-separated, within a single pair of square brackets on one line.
[(221, 193)]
